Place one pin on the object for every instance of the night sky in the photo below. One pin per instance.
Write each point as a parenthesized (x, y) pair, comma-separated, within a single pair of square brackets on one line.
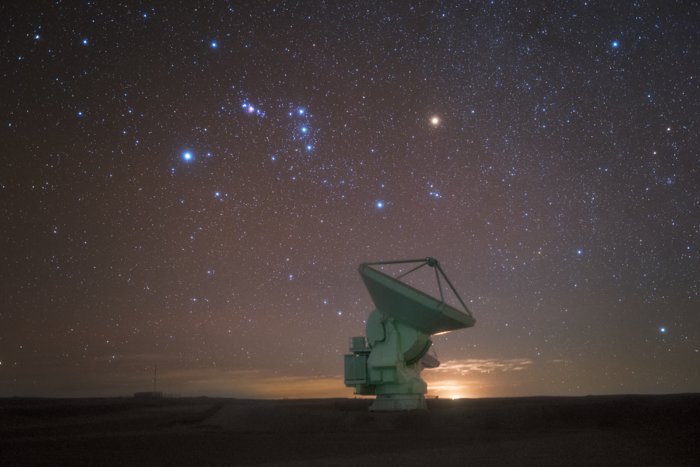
[(194, 187)]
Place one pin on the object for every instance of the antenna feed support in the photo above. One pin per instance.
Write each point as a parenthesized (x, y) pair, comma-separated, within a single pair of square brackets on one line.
[(432, 262)]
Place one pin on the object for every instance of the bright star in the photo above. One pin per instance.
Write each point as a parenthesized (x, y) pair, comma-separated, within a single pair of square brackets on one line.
[(379, 204), (85, 42), (213, 44), (662, 330), (434, 120), (615, 44), (304, 130), (301, 111), (309, 147), (579, 252), (187, 156)]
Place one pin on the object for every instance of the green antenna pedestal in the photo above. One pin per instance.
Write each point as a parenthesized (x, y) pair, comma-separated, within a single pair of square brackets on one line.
[(388, 362)]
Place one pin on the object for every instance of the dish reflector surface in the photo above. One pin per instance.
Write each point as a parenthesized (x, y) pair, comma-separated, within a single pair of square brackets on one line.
[(411, 306)]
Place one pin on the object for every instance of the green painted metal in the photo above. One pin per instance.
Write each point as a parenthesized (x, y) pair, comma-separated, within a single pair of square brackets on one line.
[(388, 364), (411, 306), (355, 369)]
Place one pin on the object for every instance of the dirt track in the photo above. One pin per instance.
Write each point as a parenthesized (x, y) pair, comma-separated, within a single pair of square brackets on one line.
[(611, 430)]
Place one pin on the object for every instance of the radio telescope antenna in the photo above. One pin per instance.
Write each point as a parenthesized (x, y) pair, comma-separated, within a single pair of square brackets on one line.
[(387, 363)]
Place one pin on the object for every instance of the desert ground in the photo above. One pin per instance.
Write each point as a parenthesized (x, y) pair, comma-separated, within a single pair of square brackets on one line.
[(540, 431)]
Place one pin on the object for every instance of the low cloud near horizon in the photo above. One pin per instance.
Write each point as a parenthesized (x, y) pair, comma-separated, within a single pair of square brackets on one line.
[(123, 375)]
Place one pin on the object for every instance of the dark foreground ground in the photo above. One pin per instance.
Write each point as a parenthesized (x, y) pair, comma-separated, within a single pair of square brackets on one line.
[(610, 430)]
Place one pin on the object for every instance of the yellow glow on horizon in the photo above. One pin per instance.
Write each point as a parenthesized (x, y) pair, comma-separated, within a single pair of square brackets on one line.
[(453, 379), (451, 388)]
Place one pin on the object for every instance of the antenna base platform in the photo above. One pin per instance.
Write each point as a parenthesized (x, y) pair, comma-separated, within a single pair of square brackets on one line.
[(394, 402)]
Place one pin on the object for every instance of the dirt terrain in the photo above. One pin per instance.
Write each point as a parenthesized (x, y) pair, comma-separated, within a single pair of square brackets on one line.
[(605, 430)]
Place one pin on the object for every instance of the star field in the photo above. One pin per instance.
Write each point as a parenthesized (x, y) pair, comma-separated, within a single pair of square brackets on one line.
[(193, 187)]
